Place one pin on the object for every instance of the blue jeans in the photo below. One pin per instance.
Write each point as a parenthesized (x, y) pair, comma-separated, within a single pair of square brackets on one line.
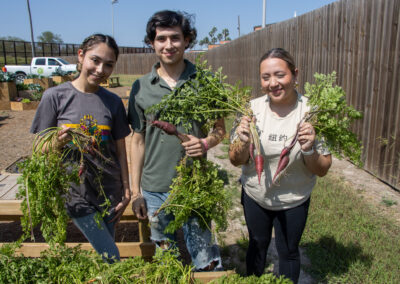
[(101, 238), (198, 241)]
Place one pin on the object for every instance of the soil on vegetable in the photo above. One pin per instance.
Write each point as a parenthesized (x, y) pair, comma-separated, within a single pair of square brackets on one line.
[(16, 141)]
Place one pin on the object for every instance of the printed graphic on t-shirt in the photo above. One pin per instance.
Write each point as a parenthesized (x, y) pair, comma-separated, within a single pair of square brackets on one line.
[(277, 137), (89, 126)]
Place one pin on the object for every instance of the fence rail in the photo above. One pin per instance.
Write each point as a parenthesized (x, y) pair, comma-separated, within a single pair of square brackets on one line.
[(20, 52)]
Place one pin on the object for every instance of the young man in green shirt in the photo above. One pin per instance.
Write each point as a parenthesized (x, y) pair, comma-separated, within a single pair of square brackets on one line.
[(154, 155)]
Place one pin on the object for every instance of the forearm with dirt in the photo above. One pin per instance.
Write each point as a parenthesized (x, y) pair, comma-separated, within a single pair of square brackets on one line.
[(121, 155), (137, 162)]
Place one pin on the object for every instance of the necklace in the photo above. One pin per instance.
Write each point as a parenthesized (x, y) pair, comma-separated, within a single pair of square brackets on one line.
[(169, 80)]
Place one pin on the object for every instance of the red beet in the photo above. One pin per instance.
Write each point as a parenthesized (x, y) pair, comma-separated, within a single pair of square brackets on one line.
[(170, 129)]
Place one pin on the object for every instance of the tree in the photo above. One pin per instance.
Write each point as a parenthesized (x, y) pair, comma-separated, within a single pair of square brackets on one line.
[(225, 34), (13, 38), (49, 37), (213, 37)]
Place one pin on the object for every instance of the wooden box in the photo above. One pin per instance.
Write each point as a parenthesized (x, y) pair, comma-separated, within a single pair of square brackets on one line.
[(8, 91), (19, 106), (44, 82)]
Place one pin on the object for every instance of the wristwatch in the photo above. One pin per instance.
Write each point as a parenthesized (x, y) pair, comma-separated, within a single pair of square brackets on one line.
[(309, 152)]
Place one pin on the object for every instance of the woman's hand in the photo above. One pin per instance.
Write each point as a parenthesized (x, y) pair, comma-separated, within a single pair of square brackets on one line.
[(243, 129), (306, 137), (194, 147), (62, 137)]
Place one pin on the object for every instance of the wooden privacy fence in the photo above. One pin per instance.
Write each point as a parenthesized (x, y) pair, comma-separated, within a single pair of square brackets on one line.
[(359, 39)]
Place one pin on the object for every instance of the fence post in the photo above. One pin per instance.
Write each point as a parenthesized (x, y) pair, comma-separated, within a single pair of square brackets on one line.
[(26, 59), (4, 53), (15, 54)]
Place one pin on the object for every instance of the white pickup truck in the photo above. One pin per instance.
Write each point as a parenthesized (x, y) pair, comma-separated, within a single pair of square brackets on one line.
[(42, 66)]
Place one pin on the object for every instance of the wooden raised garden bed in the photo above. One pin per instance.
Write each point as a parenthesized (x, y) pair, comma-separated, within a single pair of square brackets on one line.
[(61, 79), (44, 82), (111, 82), (19, 106)]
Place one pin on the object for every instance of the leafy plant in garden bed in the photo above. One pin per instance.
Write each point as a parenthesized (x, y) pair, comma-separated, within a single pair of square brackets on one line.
[(72, 265)]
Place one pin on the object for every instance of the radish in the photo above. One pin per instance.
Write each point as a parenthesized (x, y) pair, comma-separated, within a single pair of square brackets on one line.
[(170, 129)]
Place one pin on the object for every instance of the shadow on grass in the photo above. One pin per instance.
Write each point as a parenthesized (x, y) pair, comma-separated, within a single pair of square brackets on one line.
[(329, 257)]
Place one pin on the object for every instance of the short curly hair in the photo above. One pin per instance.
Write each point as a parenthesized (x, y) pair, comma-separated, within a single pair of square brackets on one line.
[(167, 19)]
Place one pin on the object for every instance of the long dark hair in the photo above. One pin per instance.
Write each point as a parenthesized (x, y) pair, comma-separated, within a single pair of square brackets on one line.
[(281, 54), (168, 19)]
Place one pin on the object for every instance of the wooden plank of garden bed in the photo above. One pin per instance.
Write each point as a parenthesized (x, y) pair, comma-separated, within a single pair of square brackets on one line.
[(206, 277), (11, 208), (126, 249)]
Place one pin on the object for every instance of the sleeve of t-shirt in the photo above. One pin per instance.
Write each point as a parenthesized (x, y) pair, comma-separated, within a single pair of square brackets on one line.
[(120, 128), (46, 113), (136, 115)]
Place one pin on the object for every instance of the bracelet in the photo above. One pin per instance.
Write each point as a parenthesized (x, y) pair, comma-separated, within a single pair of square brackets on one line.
[(308, 153), (205, 144)]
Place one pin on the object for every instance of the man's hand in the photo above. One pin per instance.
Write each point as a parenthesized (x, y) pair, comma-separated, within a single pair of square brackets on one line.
[(119, 209), (139, 206), (193, 147)]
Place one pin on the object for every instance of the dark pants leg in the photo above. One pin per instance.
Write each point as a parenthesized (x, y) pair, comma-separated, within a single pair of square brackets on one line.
[(289, 226), (259, 224)]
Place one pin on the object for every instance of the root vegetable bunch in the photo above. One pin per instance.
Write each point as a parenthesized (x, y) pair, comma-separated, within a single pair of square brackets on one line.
[(207, 98), (198, 190), (331, 118), (45, 180)]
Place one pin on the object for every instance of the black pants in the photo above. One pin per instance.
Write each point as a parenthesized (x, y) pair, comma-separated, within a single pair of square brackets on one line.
[(289, 226)]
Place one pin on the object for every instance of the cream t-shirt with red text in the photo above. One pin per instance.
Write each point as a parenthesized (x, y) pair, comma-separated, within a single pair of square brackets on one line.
[(294, 186)]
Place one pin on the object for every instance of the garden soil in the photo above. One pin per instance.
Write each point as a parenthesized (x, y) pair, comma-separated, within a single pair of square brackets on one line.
[(16, 142)]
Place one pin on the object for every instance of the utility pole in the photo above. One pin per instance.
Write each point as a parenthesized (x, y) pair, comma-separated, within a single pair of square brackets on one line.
[(30, 21), (112, 5), (238, 25), (264, 13)]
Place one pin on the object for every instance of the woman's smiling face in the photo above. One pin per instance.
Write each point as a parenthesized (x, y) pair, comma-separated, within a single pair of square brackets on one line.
[(277, 80), (97, 63)]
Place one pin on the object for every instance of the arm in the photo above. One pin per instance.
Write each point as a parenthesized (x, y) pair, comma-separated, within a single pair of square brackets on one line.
[(239, 152), (316, 163), (137, 161), (121, 155), (196, 147)]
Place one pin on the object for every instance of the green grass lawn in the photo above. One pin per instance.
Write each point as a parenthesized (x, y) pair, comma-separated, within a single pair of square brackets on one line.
[(347, 240), (127, 80)]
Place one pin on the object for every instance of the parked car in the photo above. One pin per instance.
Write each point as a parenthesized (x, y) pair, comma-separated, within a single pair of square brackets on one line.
[(41, 66)]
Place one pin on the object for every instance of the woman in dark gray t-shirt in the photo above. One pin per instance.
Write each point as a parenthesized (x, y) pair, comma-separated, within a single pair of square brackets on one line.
[(83, 104)]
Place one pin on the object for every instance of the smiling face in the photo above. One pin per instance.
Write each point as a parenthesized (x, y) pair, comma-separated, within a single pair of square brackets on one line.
[(277, 81), (169, 45), (97, 63)]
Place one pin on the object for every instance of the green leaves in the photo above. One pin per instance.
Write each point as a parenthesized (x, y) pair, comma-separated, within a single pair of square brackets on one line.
[(205, 98), (199, 191), (43, 187), (333, 117)]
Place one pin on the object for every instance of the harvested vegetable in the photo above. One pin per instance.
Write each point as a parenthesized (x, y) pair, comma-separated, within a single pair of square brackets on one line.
[(45, 180), (331, 118), (198, 190)]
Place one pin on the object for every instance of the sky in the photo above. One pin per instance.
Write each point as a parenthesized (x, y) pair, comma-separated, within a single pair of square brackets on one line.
[(74, 20)]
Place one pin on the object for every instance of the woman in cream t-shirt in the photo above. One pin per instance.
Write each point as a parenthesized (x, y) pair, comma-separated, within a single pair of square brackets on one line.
[(282, 205)]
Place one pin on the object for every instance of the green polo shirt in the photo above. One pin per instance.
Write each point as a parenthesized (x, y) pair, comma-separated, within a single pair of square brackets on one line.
[(162, 152)]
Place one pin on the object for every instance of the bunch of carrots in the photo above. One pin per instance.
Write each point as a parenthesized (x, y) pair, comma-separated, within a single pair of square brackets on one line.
[(45, 180)]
